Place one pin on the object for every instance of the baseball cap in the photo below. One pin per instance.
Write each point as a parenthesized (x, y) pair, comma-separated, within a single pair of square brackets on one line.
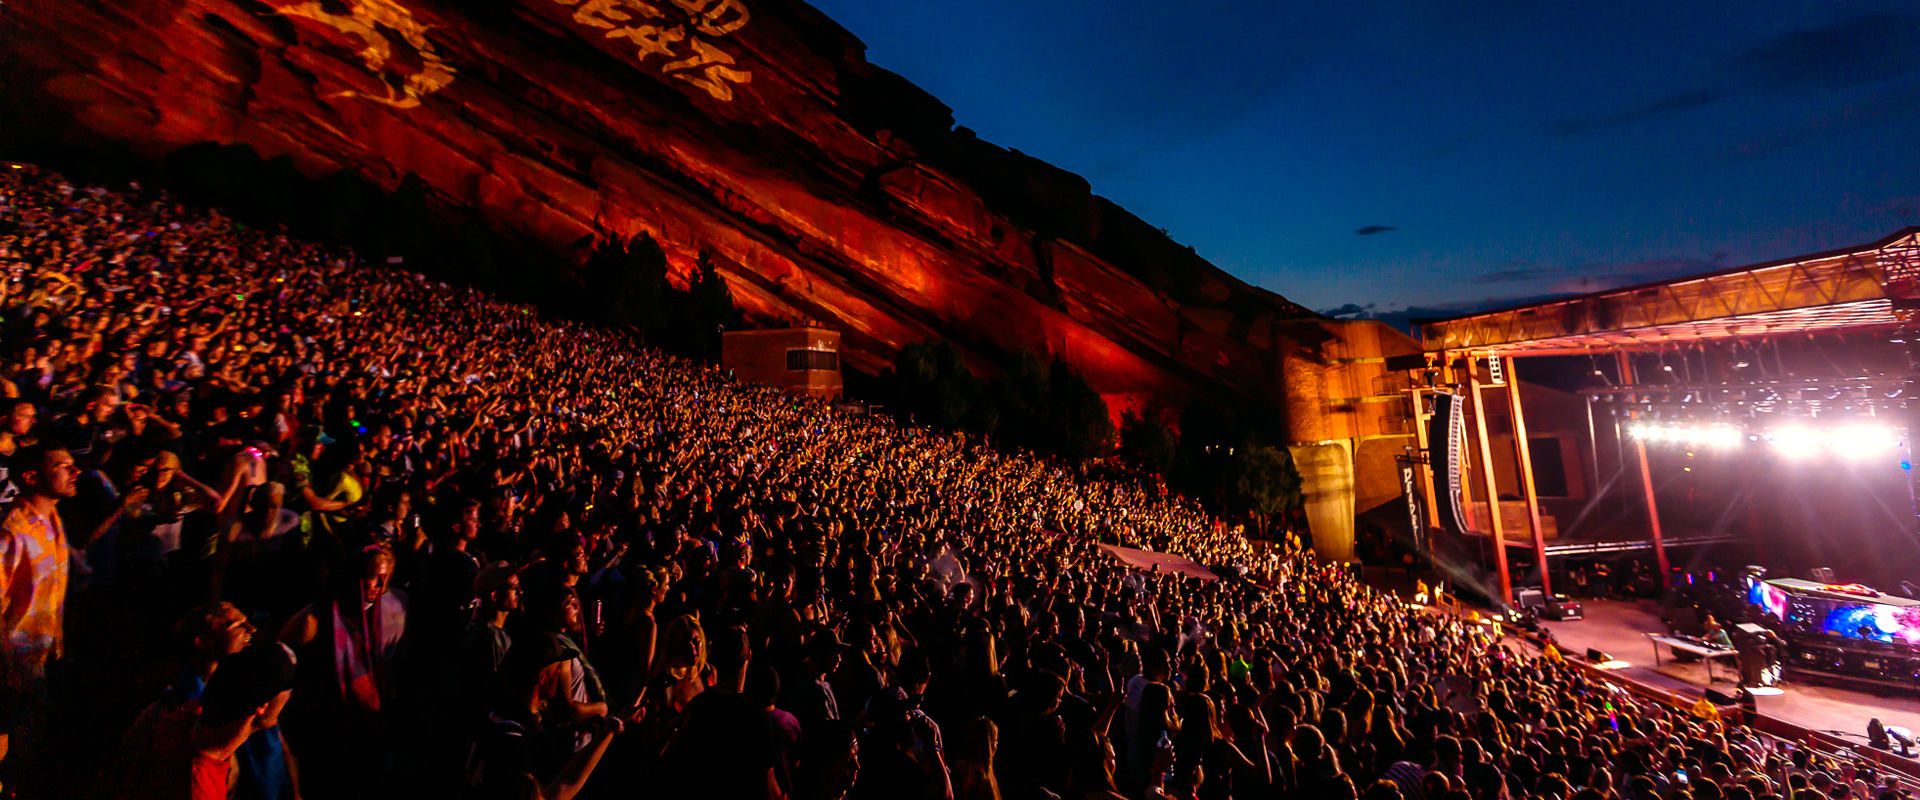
[(492, 577), (248, 680), (824, 642)]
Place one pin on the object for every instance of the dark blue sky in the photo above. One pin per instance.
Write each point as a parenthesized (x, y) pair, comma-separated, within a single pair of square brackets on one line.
[(1511, 149)]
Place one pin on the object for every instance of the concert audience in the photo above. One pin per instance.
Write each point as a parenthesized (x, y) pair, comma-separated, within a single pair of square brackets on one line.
[(502, 555)]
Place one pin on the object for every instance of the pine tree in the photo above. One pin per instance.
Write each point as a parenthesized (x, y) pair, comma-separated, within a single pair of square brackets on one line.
[(711, 309), (1266, 483), (626, 285)]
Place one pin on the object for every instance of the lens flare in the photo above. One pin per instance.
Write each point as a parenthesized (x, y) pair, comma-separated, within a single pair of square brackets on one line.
[(1796, 441), (1724, 436), (1863, 441)]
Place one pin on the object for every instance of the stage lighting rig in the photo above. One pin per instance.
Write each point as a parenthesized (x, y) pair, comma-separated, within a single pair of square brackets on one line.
[(1857, 440)]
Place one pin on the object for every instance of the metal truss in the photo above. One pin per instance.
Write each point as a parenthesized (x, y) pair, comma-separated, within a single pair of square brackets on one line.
[(1819, 395), (1855, 288)]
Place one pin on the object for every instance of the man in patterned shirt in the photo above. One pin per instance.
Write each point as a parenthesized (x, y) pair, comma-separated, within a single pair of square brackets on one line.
[(34, 554)]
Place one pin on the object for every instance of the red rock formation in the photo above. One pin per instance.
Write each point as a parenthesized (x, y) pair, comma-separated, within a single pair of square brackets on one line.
[(824, 186)]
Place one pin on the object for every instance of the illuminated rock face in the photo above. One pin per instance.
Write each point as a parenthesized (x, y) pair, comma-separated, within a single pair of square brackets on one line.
[(824, 187)]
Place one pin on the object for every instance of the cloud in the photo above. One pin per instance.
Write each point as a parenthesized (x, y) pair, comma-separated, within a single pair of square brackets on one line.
[(1559, 282), (1373, 229), (1512, 277), (1520, 283), (1548, 282), (1664, 107), (1896, 105), (1601, 277), (1402, 317), (1349, 311), (1856, 52)]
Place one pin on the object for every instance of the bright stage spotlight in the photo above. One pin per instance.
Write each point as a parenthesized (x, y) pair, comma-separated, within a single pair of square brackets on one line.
[(1723, 436), (1794, 441), (1863, 441)]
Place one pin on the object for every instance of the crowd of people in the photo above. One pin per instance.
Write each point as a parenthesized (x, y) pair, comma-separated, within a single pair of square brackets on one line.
[(282, 525)]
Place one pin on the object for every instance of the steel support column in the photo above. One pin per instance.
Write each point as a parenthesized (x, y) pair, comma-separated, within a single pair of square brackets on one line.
[(1521, 447), (1911, 406), (1492, 486), (1646, 485)]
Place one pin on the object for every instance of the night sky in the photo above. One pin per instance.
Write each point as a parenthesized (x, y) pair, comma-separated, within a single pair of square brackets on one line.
[(1445, 154)]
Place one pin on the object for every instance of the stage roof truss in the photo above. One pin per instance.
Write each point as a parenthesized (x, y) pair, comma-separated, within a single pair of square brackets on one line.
[(1856, 289), (1869, 288)]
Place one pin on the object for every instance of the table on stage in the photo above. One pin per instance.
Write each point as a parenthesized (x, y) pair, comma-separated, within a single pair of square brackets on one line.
[(1703, 651)]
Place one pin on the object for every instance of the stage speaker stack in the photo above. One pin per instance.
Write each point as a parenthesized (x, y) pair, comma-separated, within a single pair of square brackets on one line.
[(1529, 598), (1560, 609), (1759, 654)]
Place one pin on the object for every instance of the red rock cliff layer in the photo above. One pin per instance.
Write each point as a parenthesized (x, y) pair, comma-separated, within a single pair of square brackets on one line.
[(824, 187)]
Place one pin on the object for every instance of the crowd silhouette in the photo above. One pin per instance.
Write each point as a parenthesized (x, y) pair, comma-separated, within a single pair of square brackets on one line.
[(280, 524)]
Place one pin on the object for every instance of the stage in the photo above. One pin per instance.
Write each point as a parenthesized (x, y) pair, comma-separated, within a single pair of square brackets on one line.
[(1620, 628)]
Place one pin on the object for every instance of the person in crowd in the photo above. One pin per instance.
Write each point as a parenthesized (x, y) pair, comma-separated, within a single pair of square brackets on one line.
[(89, 426), (486, 639), (722, 740), (810, 699), (15, 428), (209, 635), (904, 752), (1716, 635), (515, 757), (35, 559), (974, 776), (189, 750), (554, 624), (442, 608), (350, 645), (783, 729), (829, 762)]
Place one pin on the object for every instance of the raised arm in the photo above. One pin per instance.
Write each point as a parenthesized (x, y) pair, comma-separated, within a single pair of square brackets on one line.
[(301, 629), (573, 777)]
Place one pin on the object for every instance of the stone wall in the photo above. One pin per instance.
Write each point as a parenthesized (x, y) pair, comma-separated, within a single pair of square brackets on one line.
[(823, 186)]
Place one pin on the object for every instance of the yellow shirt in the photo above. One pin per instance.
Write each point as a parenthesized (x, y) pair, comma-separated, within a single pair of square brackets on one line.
[(1705, 710), (33, 585), (345, 487)]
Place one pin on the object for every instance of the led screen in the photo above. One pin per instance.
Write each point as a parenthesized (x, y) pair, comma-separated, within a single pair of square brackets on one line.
[(1769, 598), (1881, 623)]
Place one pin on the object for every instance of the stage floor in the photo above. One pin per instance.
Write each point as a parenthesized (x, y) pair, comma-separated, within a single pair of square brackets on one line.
[(1619, 629)]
